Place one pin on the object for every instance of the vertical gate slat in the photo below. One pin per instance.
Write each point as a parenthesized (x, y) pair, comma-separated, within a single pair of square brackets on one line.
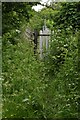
[(44, 37)]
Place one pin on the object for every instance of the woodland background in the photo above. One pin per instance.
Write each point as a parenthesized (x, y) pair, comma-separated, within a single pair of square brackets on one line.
[(47, 88)]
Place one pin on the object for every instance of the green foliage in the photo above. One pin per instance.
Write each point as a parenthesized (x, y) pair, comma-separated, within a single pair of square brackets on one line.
[(40, 89), (61, 68), (48, 14), (13, 15), (36, 22), (68, 16), (23, 87), (39, 17)]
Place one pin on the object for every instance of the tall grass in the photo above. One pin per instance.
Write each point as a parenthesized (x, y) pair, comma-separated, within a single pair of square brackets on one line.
[(40, 89)]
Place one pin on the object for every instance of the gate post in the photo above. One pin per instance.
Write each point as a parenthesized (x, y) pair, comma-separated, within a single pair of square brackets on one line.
[(35, 33)]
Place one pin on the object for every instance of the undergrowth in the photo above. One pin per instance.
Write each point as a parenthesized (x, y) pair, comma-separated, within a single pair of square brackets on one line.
[(40, 89)]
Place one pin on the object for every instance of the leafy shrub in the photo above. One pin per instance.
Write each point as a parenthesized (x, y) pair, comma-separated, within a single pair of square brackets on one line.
[(62, 71), (23, 86)]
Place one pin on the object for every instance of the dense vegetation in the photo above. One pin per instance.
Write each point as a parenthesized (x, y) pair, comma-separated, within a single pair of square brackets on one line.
[(47, 88)]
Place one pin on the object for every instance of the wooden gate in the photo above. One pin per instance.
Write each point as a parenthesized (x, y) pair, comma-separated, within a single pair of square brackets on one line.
[(41, 40), (44, 39)]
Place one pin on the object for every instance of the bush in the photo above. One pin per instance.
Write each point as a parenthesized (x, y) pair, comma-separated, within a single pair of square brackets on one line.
[(62, 71), (23, 86), (41, 89)]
